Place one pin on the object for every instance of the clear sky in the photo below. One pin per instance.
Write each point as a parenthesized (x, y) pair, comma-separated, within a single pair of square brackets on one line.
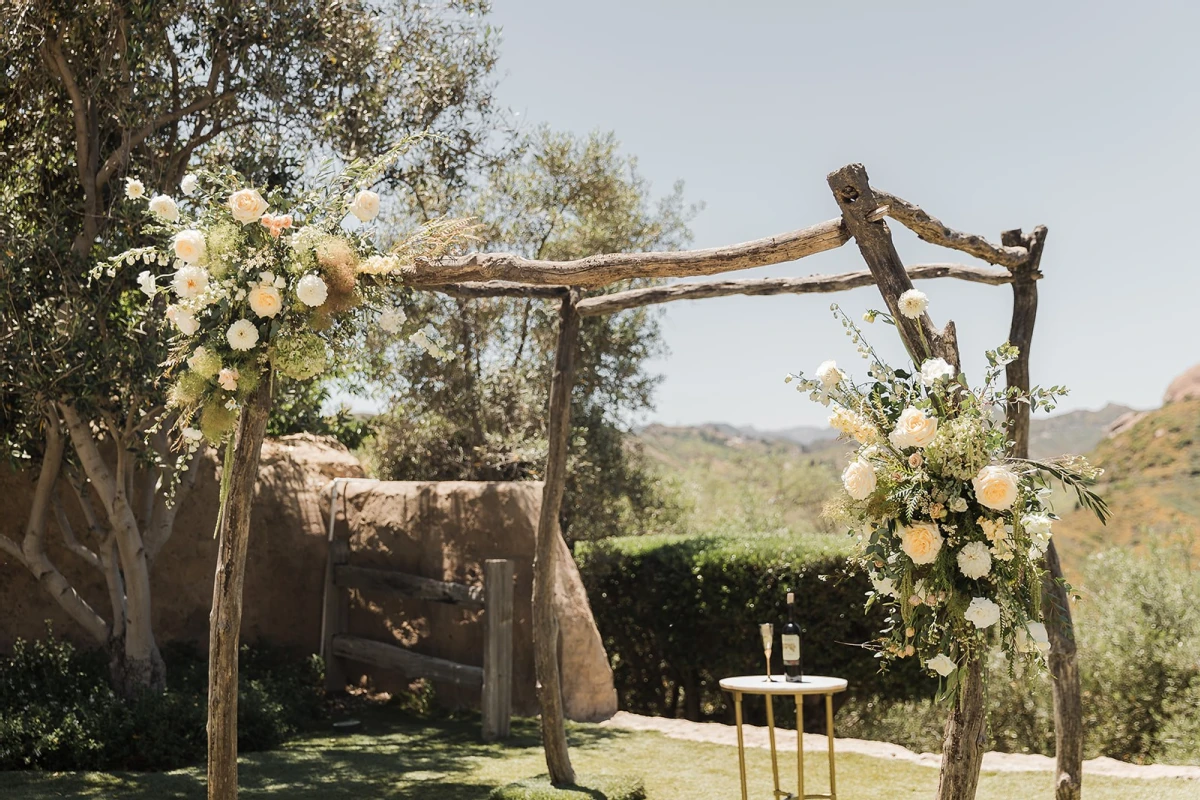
[(1082, 116)]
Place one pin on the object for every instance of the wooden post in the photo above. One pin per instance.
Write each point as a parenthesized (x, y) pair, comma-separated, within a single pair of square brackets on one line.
[(1064, 666), (497, 648), (545, 570), (337, 609), (962, 750), (225, 620)]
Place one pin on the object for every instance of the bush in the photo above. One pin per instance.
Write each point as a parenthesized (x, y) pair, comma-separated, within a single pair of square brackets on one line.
[(588, 788), (679, 613), (58, 712)]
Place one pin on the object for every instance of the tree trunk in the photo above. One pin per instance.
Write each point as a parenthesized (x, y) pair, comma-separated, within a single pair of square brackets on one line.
[(225, 620), (962, 749), (545, 570), (1056, 608)]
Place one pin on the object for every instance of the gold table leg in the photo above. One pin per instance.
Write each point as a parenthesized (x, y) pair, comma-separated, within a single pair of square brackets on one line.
[(737, 712), (829, 731), (800, 746), (771, 736)]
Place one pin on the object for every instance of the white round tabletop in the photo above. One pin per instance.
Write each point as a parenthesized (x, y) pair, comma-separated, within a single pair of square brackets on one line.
[(757, 684)]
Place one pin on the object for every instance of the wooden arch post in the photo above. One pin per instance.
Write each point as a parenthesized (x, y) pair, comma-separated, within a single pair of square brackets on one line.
[(545, 567), (963, 745)]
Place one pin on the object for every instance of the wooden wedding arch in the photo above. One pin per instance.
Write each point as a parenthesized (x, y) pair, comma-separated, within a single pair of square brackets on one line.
[(1016, 262)]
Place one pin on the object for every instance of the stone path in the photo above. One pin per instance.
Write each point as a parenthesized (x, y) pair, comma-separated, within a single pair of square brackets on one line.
[(785, 740)]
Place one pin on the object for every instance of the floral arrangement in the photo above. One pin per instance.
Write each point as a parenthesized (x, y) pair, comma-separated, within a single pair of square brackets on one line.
[(951, 530), (260, 285)]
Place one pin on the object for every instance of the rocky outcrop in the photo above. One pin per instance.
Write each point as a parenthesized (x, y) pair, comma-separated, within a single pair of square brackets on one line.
[(1185, 387)]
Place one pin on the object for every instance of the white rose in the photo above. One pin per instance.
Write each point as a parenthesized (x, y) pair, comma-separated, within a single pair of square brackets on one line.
[(392, 319), (995, 487), (247, 205), (311, 290), (942, 664), (915, 428), (188, 184), (164, 207), (935, 369), (134, 188), (190, 246), (146, 283), (913, 304), (242, 335), (228, 378), (982, 613), (265, 300), (829, 375), (921, 541), (365, 206), (183, 320), (190, 281), (859, 479), (974, 560)]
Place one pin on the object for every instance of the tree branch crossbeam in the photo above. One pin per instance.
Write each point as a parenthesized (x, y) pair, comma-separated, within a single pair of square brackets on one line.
[(931, 229)]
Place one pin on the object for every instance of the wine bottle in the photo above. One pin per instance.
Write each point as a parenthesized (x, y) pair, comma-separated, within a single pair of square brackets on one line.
[(791, 644)]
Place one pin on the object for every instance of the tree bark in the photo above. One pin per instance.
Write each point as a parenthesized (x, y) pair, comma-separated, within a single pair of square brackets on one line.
[(962, 750), (545, 572), (225, 620), (1056, 606)]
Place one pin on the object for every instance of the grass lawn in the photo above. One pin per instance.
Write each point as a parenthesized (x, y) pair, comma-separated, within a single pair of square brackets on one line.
[(394, 757)]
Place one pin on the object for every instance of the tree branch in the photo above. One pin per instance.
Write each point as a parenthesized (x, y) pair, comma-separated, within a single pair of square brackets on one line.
[(933, 230), (68, 533)]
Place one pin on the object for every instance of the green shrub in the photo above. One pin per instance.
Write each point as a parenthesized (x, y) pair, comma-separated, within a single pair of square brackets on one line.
[(58, 712), (589, 787), (679, 613)]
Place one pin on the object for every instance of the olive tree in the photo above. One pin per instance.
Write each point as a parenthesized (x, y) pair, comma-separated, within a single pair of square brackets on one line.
[(104, 98)]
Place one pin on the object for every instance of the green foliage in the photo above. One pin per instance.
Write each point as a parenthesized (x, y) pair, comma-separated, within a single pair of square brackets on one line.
[(298, 407), (1138, 632), (482, 415), (600, 787), (57, 711), (678, 613)]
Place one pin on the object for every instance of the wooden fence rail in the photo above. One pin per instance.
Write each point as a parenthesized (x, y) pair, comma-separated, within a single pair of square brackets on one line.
[(495, 597)]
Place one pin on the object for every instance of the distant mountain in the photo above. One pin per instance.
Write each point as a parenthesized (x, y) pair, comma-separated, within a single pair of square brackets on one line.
[(1075, 432)]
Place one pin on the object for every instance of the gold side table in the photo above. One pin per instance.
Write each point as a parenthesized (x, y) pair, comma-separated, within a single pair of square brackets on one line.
[(758, 684)]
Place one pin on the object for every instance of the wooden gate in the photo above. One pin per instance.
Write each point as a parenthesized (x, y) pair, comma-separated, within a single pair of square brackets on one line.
[(494, 597)]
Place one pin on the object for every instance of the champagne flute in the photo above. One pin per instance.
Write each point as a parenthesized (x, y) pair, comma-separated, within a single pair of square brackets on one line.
[(768, 638)]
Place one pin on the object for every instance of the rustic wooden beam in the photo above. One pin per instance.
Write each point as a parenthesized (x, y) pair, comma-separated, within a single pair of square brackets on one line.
[(545, 570), (371, 579), (413, 665), (600, 270), (858, 202), (497, 648), (336, 612), (501, 289), (812, 284), (934, 231)]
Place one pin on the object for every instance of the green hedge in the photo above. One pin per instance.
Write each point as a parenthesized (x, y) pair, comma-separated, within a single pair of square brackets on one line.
[(677, 613)]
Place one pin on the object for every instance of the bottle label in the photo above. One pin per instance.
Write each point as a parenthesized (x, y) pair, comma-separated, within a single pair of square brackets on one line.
[(791, 649)]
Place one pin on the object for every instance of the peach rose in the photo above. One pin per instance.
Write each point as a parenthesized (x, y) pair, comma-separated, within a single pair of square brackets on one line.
[(921, 541), (247, 205), (265, 300), (190, 247), (995, 487)]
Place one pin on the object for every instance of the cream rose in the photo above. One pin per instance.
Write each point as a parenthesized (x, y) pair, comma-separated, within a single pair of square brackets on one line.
[(365, 206), (265, 300), (921, 541), (190, 247), (228, 378), (915, 428), (188, 184), (247, 205), (859, 479), (995, 487), (982, 613), (829, 375), (164, 207), (942, 664), (190, 281)]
